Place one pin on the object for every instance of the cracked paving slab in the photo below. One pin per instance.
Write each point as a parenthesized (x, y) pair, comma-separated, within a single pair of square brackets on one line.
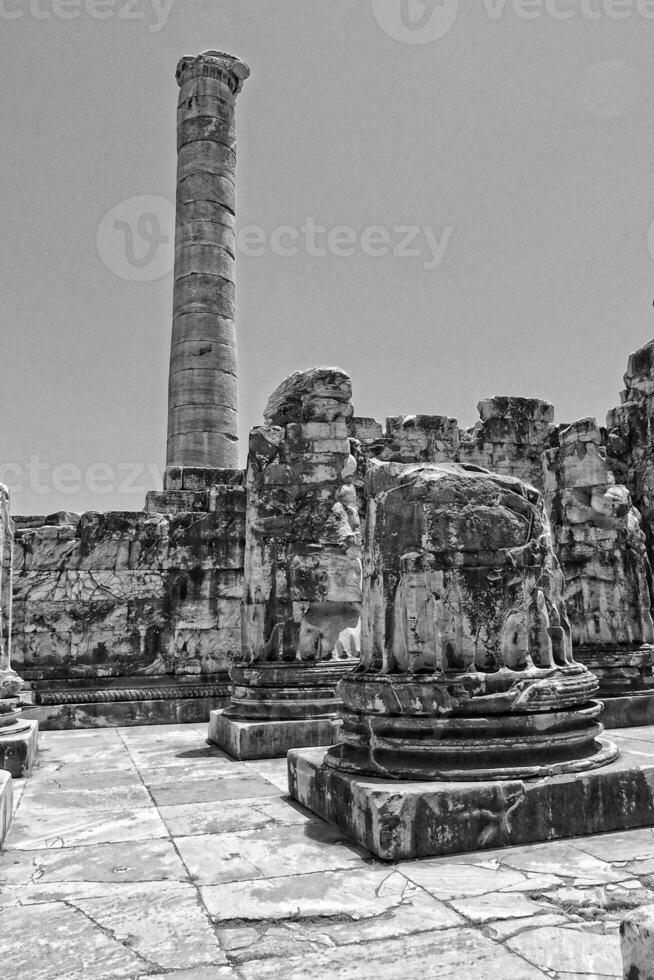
[(357, 893), (267, 853), (63, 942), (53, 827), (232, 816), (58, 873), (166, 792), (453, 953), (399, 908), (570, 949)]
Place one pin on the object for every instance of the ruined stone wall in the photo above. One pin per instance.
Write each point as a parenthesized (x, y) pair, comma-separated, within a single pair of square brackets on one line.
[(143, 597), (303, 548), (509, 439), (601, 548), (631, 436)]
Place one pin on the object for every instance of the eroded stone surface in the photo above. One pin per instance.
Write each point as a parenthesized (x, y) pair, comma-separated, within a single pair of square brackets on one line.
[(466, 665), (127, 606), (601, 548)]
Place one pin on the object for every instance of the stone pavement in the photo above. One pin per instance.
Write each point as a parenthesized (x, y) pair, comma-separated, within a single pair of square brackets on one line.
[(143, 852)]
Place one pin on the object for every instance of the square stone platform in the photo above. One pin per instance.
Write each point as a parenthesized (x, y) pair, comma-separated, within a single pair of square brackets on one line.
[(18, 750), (269, 739), (398, 820)]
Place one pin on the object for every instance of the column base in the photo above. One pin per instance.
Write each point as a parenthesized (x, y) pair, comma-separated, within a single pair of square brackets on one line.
[(269, 739), (18, 747), (6, 803), (401, 820)]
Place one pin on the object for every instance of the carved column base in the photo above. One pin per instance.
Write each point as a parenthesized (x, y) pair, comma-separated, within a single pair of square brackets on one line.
[(292, 691), (404, 820), (473, 726), (276, 707)]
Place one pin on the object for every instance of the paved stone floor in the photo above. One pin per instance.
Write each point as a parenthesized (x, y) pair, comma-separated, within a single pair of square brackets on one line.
[(143, 852)]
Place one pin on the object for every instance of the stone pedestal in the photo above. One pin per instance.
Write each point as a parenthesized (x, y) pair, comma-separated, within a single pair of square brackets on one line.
[(399, 820), (468, 723), (269, 739)]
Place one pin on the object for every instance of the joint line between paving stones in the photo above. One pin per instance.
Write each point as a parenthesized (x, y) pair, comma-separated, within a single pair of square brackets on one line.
[(191, 877)]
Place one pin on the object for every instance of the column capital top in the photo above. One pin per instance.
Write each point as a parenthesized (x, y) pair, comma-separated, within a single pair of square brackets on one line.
[(213, 64)]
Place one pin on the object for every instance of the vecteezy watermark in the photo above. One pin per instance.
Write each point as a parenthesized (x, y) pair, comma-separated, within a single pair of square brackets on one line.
[(153, 13), (135, 240), (424, 21), (415, 21), (343, 241), (67, 479)]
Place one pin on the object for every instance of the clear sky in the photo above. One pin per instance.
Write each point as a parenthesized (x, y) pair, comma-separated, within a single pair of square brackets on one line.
[(512, 143)]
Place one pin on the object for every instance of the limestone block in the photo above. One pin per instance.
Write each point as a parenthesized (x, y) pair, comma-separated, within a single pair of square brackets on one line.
[(410, 438), (320, 395), (509, 438), (519, 409), (637, 943), (176, 501), (365, 429)]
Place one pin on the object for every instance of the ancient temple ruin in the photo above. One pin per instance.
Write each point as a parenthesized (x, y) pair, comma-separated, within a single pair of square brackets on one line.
[(439, 604)]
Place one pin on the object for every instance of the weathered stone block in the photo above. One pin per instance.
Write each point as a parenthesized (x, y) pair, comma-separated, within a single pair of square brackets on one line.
[(403, 820), (268, 739)]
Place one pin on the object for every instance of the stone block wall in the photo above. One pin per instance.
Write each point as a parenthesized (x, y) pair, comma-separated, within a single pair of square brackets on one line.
[(601, 547), (509, 439), (146, 598)]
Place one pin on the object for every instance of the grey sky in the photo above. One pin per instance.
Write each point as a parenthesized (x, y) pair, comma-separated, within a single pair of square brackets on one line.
[(525, 147)]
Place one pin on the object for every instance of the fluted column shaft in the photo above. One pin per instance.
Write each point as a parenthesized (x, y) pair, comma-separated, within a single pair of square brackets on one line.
[(202, 391)]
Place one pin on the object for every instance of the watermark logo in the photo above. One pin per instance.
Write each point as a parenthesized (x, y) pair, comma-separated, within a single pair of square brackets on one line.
[(135, 240), (415, 21), (422, 242), (41, 477), (153, 13), (425, 21)]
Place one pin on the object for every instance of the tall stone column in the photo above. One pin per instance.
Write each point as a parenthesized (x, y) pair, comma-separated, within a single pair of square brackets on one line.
[(202, 390)]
